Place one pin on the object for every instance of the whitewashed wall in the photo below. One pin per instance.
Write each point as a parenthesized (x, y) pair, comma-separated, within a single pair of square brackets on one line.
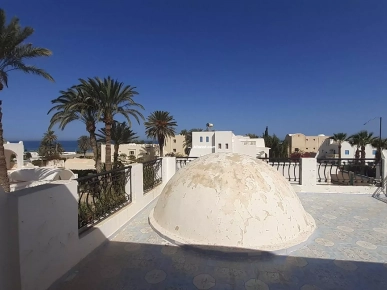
[(43, 241)]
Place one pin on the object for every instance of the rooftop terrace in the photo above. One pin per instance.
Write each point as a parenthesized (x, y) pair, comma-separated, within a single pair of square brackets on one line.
[(348, 251)]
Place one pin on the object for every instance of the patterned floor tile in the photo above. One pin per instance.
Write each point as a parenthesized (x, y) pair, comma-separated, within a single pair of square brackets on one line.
[(348, 251)]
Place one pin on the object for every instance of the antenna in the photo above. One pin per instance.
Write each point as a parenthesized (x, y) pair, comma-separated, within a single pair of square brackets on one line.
[(209, 125)]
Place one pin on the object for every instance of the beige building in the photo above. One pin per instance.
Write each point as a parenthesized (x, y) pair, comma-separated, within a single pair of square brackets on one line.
[(144, 151), (147, 151), (174, 145), (300, 142)]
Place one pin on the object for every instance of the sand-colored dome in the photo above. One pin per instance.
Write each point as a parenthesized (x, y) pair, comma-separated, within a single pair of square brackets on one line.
[(231, 200)]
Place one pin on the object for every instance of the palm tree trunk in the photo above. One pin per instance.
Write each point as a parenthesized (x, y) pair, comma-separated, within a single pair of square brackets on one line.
[(93, 142), (363, 154), (161, 145), (339, 154), (108, 152), (4, 180), (116, 147)]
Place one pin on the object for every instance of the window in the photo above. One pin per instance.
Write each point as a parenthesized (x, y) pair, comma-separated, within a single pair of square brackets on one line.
[(201, 139), (346, 152), (131, 152), (174, 150), (207, 139), (174, 140), (226, 145), (219, 146), (374, 152)]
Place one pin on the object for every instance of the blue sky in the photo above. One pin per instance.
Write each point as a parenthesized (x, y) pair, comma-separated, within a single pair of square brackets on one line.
[(295, 66)]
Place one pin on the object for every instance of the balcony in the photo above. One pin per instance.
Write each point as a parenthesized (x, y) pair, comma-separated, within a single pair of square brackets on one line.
[(48, 247)]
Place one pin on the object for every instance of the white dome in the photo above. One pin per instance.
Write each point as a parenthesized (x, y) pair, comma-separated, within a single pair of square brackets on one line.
[(231, 200)]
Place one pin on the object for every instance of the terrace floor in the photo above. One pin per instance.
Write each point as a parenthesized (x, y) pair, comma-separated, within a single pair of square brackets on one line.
[(349, 251)]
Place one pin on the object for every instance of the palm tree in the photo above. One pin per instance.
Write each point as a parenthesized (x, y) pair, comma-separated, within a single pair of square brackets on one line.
[(360, 140), (84, 144), (339, 138), (188, 139), (365, 138), (183, 132), (159, 126), (354, 141), (379, 144), (120, 134), (49, 147), (113, 98), (73, 105), (13, 53)]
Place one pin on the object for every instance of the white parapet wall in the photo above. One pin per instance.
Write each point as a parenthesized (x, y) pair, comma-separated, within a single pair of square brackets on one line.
[(40, 241)]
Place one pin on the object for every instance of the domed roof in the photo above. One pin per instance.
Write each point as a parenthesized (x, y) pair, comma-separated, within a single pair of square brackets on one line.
[(231, 200)]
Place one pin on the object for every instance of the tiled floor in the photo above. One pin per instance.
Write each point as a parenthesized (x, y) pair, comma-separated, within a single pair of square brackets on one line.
[(349, 251)]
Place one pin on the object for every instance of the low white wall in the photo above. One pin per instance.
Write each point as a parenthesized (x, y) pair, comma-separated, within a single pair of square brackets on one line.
[(7, 276), (326, 188), (43, 241)]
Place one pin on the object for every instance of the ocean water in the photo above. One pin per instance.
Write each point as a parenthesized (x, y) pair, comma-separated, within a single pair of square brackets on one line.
[(68, 146)]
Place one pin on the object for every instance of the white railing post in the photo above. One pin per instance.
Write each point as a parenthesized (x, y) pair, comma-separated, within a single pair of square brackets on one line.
[(169, 168), (308, 168), (136, 182)]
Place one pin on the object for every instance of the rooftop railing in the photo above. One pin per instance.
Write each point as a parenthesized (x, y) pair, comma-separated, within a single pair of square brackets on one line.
[(152, 174), (289, 168), (101, 195), (348, 171)]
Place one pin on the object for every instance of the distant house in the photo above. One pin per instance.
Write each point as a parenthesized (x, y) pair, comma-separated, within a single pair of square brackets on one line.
[(330, 149), (174, 145), (299, 142), (143, 151), (208, 142)]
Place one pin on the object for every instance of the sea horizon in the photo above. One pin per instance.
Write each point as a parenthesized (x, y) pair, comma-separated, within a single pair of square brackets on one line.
[(68, 145)]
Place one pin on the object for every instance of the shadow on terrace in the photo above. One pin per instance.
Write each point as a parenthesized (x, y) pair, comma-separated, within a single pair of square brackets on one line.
[(336, 257)]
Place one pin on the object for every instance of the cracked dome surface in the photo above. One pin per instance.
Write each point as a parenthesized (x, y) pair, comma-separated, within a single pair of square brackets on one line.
[(233, 201)]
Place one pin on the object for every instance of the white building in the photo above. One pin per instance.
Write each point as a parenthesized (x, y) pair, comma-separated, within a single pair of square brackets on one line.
[(18, 150), (330, 149), (208, 142)]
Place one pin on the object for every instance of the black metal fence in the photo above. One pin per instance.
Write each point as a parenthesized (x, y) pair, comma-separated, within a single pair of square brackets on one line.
[(183, 161), (348, 171), (101, 195), (289, 168), (152, 174)]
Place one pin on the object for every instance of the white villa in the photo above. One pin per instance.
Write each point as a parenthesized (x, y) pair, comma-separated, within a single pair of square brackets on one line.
[(330, 149), (18, 150), (208, 142)]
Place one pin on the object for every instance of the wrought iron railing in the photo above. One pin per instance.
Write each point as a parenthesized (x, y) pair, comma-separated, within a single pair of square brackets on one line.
[(183, 161), (289, 168), (152, 174), (101, 195), (348, 171)]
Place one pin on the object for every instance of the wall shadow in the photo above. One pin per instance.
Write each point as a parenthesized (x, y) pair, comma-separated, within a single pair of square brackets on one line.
[(142, 265)]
